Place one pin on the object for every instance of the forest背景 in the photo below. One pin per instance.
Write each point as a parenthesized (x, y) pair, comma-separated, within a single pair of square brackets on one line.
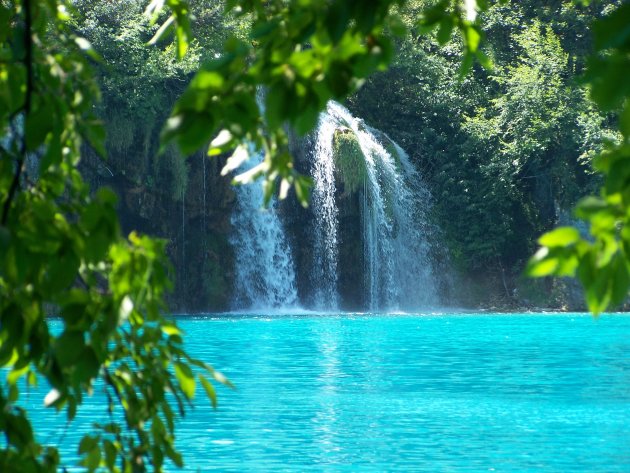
[(61, 248)]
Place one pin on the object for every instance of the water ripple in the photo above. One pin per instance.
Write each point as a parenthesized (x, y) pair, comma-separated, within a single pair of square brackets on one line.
[(427, 393)]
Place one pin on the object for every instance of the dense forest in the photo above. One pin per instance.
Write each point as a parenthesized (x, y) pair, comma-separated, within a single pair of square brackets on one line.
[(467, 130), (506, 151)]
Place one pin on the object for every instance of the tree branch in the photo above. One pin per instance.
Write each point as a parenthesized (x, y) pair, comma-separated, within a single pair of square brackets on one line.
[(28, 63)]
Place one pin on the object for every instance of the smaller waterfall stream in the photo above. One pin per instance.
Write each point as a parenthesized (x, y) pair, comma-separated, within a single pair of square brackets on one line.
[(324, 273), (394, 207), (265, 274)]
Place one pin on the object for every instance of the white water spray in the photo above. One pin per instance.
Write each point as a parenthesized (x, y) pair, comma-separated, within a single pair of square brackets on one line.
[(265, 274), (395, 229), (325, 250)]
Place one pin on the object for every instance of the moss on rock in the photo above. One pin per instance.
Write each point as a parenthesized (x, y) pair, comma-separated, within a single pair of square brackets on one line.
[(349, 160)]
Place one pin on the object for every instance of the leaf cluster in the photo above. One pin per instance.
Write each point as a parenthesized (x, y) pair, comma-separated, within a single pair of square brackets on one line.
[(301, 54), (62, 254), (601, 260)]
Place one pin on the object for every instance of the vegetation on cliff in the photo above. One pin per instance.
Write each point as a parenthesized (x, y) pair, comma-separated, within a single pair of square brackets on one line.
[(525, 136), (506, 151)]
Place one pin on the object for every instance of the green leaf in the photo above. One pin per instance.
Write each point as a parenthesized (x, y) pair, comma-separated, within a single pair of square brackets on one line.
[(302, 185), (170, 330), (562, 236), (465, 66), (220, 378), (484, 60), (191, 131), (18, 431), (620, 280), (472, 37), (87, 366), (93, 459), (173, 455), (431, 16), (208, 80), (541, 264), (598, 293), (223, 139), (238, 157), (62, 272), (613, 31), (86, 47), (446, 29), (110, 453), (38, 125), (17, 373), (186, 379), (94, 133), (269, 188), (182, 41), (69, 346), (87, 444), (31, 378), (589, 206), (336, 20), (162, 30), (307, 120), (210, 392), (396, 25)]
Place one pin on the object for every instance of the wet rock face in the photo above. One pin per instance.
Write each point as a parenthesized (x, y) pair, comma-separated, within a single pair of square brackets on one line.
[(351, 262), (192, 214), (205, 263)]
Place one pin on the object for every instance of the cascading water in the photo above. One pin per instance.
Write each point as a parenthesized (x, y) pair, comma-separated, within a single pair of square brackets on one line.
[(394, 205), (414, 275), (265, 275), (325, 249)]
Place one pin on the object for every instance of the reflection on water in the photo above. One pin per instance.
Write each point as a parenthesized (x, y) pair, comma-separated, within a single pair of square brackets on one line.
[(408, 393)]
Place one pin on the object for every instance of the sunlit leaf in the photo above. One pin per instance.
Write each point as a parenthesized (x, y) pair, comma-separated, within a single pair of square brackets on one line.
[(541, 264), (210, 392), (161, 30), (186, 379), (562, 236)]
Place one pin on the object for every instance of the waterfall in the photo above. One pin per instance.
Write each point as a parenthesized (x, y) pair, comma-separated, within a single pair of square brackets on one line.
[(394, 207), (413, 247), (368, 243), (265, 275), (324, 275)]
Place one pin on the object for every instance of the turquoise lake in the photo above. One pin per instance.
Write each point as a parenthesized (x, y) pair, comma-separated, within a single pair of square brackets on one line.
[(423, 392)]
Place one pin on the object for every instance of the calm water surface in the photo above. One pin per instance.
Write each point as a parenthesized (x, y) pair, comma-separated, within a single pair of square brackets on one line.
[(451, 392)]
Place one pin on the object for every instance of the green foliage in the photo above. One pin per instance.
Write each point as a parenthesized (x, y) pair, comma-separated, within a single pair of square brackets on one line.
[(528, 141), (601, 260), (448, 15), (504, 150), (304, 54), (61, 249), (134, 78)]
